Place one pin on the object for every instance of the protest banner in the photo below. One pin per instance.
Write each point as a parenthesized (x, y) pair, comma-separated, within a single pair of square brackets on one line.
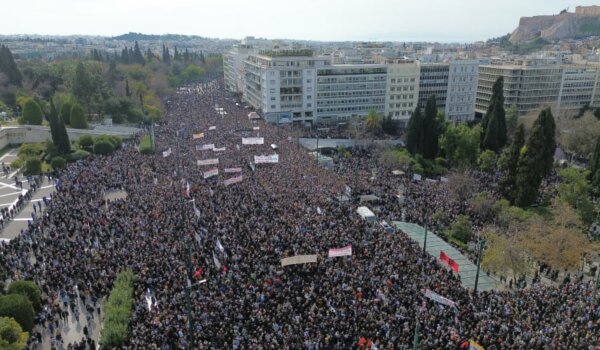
[(474, 346), (233, 180), (198, 136), (211, 173), (448, 261), (439, 299), (219, 149), (167, 153), (298, 259), (253, 140), (417, 177), (212, 128), (205, 147), (343, 251), (272, 159), (213, 161), (233, 170)]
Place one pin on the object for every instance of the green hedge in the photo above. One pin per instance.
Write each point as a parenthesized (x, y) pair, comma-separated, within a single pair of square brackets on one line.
[(78, 154), (58, 163), (145, 146), (117, 311), (103, 147), (33, 166), (28, 289), (18, 307)]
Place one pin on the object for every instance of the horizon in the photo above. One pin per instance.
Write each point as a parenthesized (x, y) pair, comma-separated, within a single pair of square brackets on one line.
[(467, 22)]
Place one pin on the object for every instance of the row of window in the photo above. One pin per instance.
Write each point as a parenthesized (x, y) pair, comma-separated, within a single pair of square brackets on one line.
[(403, 105)]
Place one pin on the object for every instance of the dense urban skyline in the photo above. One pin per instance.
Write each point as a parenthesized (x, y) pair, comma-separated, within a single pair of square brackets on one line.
[(438, 20)]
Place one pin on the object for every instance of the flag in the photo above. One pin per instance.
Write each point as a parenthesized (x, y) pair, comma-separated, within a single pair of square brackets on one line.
[(448, 261), (186, 188), (210, 191), (166, 153), (216, 261), (197, 237), (220, 246), (343, 251), (198, 273)]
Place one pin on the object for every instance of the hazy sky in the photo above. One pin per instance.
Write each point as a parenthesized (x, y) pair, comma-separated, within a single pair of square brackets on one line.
[(401, 20)]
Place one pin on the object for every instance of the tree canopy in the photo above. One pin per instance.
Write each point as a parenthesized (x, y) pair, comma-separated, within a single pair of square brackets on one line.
[(494, 120)]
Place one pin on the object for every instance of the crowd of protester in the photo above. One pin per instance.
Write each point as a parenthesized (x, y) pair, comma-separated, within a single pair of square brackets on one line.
[(224, 245)]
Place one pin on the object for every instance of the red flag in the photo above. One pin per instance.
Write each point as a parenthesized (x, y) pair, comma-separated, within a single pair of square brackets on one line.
[(453, 265), (198, 273), (444, 257)]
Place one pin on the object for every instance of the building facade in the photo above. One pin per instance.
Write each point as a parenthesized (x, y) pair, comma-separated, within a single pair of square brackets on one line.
[(434, 81), (578, 88), (528, 87), (233, 67), (461, 91), (347, 91), (402, 91)]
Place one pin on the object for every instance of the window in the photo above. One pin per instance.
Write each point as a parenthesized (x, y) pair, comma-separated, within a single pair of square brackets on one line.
[(272, 106), (309, 105)]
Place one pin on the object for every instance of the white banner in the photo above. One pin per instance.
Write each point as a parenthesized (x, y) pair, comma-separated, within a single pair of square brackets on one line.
[(211, 173), (272, 159), (439, 299), (253, 140), (205, 147), (233, 170), (417, 177), (343, 251), (233, 180), (214, 161), (212, 128), (256, 128), (299, 259), (167, 153)]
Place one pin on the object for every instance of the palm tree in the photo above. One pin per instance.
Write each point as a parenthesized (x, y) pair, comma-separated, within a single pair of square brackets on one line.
[(373, 122)]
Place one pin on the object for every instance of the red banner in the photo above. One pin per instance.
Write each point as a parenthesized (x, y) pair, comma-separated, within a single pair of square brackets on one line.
[(448, 261)]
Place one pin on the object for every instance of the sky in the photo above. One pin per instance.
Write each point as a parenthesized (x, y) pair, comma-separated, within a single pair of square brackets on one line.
[(325, 20)]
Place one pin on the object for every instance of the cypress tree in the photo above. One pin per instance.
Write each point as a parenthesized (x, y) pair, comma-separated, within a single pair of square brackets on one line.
[(546, 121), (63, 143), (65, 112), (430, 129), (166, 55), (202, 60), (186, 55), (125, 56), (32, 113), (508, 182), (414, 134), (9, 67), (127, 91), (137, 54), (54, 124), (595, 166), (176, 55), (494, 132)]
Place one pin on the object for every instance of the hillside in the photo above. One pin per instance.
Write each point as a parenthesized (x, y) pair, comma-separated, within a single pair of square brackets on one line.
[(584, 22)]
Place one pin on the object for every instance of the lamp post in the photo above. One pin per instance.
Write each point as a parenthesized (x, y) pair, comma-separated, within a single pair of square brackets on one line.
[(417, 335), (481, 244), (597, 282), (425, 239)]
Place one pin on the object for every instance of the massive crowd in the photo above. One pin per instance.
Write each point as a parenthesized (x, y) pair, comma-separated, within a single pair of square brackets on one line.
[(232, 238)]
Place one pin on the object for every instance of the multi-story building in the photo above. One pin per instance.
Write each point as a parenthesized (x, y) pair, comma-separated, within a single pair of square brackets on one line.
[(402, 93), (233, 67), (578, 88), (461, 90), (346, 91), (281, 84), (434, 81), (527, 87)]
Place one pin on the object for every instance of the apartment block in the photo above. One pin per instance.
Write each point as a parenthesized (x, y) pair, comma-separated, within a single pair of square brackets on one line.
[(233, 67), (578, 88), (402, 92), (346, 91), (461, 90)]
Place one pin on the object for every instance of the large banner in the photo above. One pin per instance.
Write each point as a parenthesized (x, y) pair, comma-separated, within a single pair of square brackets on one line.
[(212, 128), (272, 159), (298, 259), (233, 180), (205, 147), (439, 299), (233, 170), (449, 261), (214, 161), (198, 136), (253, 140), (211, 173), (219, 149), (343, 251), (167, 153)]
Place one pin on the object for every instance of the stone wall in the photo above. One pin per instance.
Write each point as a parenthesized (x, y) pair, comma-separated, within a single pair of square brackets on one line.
[(588, 10), (35, 134)]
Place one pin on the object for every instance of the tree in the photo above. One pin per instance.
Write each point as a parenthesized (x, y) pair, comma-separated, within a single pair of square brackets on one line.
[(58, 163), (86, 142), (9, 68), (18, 307), (494, 121), (81, 86), (512, 119), (103, 148), (60, 138), (546, 121), (32, 113), (78, 120), (28, 289), (12, 336), (33, 166), (431, 129), (460, 187), (507, 184), (176, 55), (531, 167), (503, 257), (482, 204), (65, 112), (460, 144), (579, 135), (166, 57), (373, 122), (487, 161), (575, 190), (594, 175), (414, 133), (390, 126), (461, 229), (138, 57)]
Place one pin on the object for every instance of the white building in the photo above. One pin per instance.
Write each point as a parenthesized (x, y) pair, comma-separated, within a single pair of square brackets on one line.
[(233, 67), (462, 90), (578, 88), (402, 90)]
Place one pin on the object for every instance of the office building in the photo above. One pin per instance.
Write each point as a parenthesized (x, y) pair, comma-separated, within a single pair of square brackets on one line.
[(461, 90), (434, 81), (578, 88), (402, 93)]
